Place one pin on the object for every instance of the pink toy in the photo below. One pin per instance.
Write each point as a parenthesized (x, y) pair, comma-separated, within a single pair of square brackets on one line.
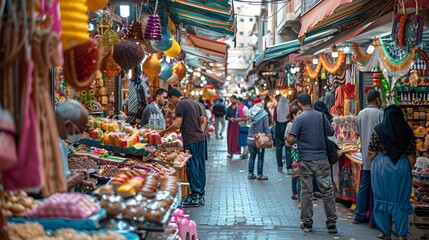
[(183, 228), (193, 235), (178, 213)]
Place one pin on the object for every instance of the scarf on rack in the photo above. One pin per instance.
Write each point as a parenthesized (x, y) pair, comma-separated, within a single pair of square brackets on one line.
[(282, 110), (257, 112), (394, 133)]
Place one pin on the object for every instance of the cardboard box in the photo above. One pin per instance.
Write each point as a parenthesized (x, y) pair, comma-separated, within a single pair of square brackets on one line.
[(418, 228)]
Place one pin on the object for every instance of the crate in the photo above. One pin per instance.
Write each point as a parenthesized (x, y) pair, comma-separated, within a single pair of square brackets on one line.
[(418, 228)]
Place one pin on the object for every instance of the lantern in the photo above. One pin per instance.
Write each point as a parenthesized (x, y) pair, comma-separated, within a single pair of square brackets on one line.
[(128, 54), (174, 51), (180, 70), (151, 68)]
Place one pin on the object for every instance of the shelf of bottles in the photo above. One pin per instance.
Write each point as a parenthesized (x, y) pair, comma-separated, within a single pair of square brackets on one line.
[(156, 122), (414, 88)]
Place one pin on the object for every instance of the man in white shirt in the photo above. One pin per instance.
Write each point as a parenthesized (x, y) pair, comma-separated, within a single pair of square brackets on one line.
[(155, 107)]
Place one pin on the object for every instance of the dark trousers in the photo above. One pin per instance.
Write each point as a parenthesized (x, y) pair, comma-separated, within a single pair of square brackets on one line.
[(253, 152), (279, 137), (196, 169), (364, 198)]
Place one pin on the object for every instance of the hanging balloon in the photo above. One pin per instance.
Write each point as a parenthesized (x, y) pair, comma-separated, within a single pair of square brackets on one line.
[(164, 43), (153, 28), (152, 67), (135, 32), (181, 56), (109, 67), (148, 47), (166, 71), (174, 51), (180, 70), (173, 79), (128, 54)]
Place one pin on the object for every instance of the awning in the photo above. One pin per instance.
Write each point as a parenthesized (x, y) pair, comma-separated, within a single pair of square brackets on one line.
[(351, 16), (215, 80), (217, 16), (208, 46), (283, 49), (318, 13)]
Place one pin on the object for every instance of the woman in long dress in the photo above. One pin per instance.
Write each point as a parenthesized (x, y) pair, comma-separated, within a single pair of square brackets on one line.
[(233, 127), (393, 150)]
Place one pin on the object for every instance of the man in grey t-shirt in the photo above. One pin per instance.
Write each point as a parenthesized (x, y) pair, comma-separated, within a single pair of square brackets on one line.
[(309, 129), (367, 119)]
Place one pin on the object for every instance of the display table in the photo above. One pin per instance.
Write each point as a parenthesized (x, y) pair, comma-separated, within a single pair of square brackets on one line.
[(347, 174)]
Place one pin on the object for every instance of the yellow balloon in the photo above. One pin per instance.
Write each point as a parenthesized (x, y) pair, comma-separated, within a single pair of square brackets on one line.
[(175, 49)]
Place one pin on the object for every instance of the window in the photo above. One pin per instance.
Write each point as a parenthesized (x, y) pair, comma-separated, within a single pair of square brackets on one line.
[(241, 19), (250, 19), (241, 33)]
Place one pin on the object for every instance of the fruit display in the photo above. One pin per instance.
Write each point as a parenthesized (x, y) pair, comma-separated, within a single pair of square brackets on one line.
[(16, 203)]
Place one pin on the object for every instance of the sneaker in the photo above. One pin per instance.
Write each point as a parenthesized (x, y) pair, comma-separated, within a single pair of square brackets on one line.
[(221, 137), (332, 229), (289, 172), (202, 201), (251, 176), (280, 169), (191, 202), (306, 228), (229, 155), (243, 156), (262, 177), (355, 221)]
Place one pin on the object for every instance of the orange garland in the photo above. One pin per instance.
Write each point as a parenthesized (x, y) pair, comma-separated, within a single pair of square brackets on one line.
[(359, 54), (401, 30), (324, 62)]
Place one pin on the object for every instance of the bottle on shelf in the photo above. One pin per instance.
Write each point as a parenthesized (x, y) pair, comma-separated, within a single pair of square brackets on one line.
[(151, 119)]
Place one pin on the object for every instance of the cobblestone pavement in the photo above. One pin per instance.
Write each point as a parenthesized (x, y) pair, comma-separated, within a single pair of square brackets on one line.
[(238, 208)]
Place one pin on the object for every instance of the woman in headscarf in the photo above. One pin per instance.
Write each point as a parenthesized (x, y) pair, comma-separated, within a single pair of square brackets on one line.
[(321, 107), (258, 124), (281, 111), (393, 152)]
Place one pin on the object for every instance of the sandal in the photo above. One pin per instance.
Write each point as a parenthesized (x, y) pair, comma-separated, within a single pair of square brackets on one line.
[(294, 197), (382, 236), (305, 228)]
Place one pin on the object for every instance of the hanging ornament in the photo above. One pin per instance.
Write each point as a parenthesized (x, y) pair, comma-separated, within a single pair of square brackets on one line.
[(135, 33), (148, 47), (159, 55), (181, 56), (323, 74), (166, 71), (180, 70), (128, 54), (109, 38), (151, 68), (173, 79), (153, 28), (164, 43), (109, 67), (94, 5), (174, 51)]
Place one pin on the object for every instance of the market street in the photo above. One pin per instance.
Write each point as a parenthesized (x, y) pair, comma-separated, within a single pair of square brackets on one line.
[(237, 208)]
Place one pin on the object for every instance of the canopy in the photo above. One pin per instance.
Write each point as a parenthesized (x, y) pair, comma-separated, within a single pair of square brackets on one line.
[(217, 16)]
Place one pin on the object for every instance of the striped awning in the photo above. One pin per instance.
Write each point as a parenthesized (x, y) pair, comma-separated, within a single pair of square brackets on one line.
[(217, 16), (213, 50)]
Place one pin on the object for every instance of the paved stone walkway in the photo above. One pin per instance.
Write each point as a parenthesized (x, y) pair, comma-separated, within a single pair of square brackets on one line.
[(238, 208)]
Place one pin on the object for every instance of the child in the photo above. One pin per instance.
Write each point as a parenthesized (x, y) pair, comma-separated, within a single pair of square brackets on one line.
[(296, 182)]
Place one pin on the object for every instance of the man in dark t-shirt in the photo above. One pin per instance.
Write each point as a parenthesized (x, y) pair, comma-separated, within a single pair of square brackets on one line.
[(189, 119)]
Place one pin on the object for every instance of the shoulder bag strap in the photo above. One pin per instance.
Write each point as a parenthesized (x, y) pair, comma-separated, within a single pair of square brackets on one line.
[(325, 136)]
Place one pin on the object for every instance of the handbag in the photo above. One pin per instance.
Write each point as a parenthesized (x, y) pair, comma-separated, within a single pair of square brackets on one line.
[(263, 141), (331, 147)]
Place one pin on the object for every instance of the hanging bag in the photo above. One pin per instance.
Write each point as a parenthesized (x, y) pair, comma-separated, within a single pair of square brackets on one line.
[(331, 147)]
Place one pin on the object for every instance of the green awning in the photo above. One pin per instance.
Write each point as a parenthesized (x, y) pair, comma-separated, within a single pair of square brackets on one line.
[(283, 49), (217, 16)]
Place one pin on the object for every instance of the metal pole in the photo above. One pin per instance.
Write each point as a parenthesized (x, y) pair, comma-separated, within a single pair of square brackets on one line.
[(118, 94)]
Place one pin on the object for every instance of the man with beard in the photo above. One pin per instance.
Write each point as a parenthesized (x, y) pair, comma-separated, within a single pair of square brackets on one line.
[(161, 99)]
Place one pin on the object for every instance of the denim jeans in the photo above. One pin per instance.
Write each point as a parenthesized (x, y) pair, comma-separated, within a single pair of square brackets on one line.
[(364, 198), (322, 171), (196, 168), (296, 187), (253, 152)]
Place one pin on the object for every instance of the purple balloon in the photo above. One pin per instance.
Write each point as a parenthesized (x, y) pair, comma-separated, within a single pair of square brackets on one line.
[(181, 56)]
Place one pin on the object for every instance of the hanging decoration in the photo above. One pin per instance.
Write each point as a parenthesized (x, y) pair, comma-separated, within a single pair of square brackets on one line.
[(109, 38), (109, 67), (159, 55), (324, 62), (180, 70), (166, 71), (147, 46), (173, 79), (128, 54), (407, 31), (181, 56), (394, 64), (74, 23), (359, 54), (153, 27), (94, 5), (151, 68), (135, 32), (164, 43), (175, 49)]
